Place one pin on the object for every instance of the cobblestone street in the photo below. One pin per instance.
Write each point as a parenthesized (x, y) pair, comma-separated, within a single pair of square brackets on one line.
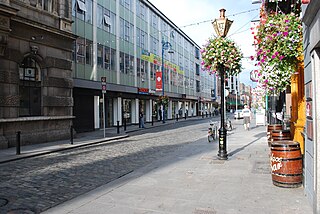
[(36, 184)]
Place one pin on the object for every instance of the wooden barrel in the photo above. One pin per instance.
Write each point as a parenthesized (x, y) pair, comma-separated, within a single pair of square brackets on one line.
[(273, 127), (286, 164), (279, 135)]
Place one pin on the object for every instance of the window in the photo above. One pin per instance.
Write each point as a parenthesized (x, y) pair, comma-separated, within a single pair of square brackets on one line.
[(30, 88), (80, 50), (100, 56), (107, 58), (121, 61), (141, 10), (154, 20), (44, 4), (88, 14), (198, 88), (99, 16), (88, 52), (198, 69), (81, 9), (197, 53), (113, 59)]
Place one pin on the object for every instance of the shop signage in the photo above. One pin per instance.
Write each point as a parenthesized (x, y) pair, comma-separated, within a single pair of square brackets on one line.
[(143, 91)]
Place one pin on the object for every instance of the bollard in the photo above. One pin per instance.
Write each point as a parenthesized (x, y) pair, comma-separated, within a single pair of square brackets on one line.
[(18, 143), (185, 116), (202, 115), (71, 135), (152, 121), (177, 117), (125, 124), (118, 127), (206, 114)]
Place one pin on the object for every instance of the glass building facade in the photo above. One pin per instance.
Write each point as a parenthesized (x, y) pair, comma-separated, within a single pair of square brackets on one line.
[(122, 40)]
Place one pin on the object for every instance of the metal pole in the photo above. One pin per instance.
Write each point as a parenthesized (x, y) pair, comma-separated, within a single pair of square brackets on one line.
[(162, 71), (18, 141), (222, 155), (118, 127), (71, 134), (104, 116)]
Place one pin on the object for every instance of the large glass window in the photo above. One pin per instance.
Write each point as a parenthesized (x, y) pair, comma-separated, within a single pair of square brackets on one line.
[(100, 16), (80, 49), (81, 9), (88, 14), (141, 10), (113, 59), (107, 58), (100, 55), (88, 52), (30, 88), (121, 61)]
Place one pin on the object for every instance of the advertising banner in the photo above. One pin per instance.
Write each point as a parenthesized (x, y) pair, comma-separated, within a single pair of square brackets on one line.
[(158, 81)]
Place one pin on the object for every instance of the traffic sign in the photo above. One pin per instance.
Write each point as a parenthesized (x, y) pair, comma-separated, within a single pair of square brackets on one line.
[(103, 84)]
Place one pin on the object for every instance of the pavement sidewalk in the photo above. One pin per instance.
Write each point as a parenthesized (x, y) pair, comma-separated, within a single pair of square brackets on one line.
[(193, 180)]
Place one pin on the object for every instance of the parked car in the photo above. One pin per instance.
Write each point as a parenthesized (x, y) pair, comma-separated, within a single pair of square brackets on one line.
[(238, 114)]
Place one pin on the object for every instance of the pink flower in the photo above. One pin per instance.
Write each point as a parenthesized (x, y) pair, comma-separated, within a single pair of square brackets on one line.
[(281, 57), (285, 33)]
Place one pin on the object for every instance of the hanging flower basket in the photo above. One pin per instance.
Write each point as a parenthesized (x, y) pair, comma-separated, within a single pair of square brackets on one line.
[(163, 100), (219, 52), (279, 50)]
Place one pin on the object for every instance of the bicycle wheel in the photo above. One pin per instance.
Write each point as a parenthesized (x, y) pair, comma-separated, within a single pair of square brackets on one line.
[(228, 126), (210, 138), (215, 134)]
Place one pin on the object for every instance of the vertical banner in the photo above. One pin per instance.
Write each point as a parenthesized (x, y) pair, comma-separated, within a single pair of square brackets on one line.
[(158, 81)]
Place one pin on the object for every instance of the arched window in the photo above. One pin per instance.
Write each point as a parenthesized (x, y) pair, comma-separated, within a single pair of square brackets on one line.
[(30, 88)]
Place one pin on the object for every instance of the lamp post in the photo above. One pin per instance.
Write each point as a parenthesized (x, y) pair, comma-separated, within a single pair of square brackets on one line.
[(165, 46), (222, 26)]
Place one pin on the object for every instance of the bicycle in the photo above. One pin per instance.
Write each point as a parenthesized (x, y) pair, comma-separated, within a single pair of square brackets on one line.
[(212, 131), (228, 125)]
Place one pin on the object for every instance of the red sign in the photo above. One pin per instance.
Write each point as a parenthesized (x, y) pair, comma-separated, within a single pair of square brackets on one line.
[(143, 91), (158, 81)]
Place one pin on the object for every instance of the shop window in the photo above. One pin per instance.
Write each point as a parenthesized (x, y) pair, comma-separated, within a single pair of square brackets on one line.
[(30, 88)]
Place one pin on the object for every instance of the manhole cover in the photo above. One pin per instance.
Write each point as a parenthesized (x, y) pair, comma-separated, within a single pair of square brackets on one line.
[(21, 211), (204, 211), (3, 202)]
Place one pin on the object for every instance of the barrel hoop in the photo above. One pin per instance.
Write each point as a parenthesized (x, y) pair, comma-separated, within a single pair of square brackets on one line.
[(291, 159), (296, 183), (287, 175), (285, 150), (283, 145)]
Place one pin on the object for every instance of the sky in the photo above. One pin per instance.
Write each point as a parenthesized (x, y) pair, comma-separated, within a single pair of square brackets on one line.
[(194, 18)]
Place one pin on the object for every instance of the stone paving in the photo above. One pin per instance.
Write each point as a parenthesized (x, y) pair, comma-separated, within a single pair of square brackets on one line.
[(35, 184)]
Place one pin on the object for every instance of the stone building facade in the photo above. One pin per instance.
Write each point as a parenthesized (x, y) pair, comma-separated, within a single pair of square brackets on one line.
[(36, 84)]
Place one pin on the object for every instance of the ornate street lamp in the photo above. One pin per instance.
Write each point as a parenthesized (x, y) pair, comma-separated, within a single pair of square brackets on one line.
[(222, 26), (165, 46)]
